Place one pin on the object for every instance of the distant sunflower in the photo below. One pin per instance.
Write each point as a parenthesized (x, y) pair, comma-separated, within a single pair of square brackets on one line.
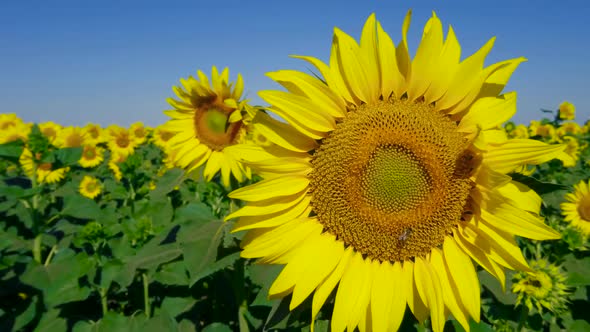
[(92, 156), (391, 181), (138, 133), (567, 111), (120, 140), (569, 128), (89, 187), (162, 137), (50, 130), (577, 208), (94, 133), (519, 131), (115, 160), (573, 150), (71, 137), (43, 171), (207, 119), (8, 120), (20, 131)]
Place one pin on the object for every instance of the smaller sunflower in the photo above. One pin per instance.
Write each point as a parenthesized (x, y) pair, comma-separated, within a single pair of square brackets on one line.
[(138, 133), (92, 156), (577, 208), (567, 111), (9, 120), (44, 172), (547, 132), (95, 133), (115, 160), (50, 130), (90, 187), (162, 137), (519, 131), (568, 128), (208, 118), (573, 150), (71, 137), (543, 287), (20, 131), (120, 140)]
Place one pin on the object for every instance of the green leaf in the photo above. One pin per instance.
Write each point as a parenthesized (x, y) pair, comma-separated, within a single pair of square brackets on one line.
[(51, 322), (219, 265), (186, 326), (193, 213), (579, 325), (495, 288), (578, 270), (11, 150), (167, 182), (177, 305), (217, 327), (538, 186), (59, 280), (80, 207), (199, 244), (68, 156), (172, 274), (263, 276), (162, 322), (27, 316), (279, 314)]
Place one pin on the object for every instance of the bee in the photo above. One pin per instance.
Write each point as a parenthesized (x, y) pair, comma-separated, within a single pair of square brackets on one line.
[(405, 234)]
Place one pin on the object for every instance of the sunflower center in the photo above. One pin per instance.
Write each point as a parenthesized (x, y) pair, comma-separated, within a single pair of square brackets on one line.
[(213, 128), (392, 179), (584, 208), (89, 153), (122, 141), (74, 140)]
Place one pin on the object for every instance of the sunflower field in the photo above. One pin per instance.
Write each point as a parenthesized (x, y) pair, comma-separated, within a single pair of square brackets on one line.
[(361, 198)]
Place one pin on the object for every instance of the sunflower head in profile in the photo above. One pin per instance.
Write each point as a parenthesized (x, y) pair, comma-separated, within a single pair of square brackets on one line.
[(44, 172), (90, 187), (577, 208), (390, 179), (50, 130), (209, 117)]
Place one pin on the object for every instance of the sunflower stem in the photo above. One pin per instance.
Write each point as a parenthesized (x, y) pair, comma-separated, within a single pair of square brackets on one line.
[(146, 294), (524, 315), (50, 255), (37, 248), (103, 301)]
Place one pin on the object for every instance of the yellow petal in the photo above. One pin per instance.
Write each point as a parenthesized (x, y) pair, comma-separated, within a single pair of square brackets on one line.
[(391, 79), (480, 257), (490, 112), (426, 61), (327, 286), (313, 88), (463, 277), (351, 65), (402, 55), (300, 209), (268, 206), (331, 75), (495, 82), (448, 64), (449, 289), (282, 134), (416, 305), (370, 58), (508, 155), (353, 295), (429, 288), (266, 189)]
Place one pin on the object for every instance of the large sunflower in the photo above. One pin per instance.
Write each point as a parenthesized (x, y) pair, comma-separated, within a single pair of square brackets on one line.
[(577, 208), (207, 119), (393, 180)]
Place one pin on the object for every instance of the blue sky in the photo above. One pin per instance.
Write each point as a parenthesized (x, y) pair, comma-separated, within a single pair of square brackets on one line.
[(106, 62)]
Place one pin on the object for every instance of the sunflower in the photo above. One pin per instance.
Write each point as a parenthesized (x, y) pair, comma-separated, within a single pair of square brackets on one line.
[(208, 118), (92, 156), (544, 287), (114, 161), (94, 133), (573, 150), (567, 111), (120, 140), (577, 208), (568, 128), (20, 131), (50, 130), (71, 137), (162, 137), (392, 181), (519, 131), (9, 120), (89, 187), (138, 133), (546, 131), (45, 172)]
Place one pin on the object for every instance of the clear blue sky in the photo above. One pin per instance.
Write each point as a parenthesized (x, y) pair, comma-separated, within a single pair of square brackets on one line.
[(107, 62)]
